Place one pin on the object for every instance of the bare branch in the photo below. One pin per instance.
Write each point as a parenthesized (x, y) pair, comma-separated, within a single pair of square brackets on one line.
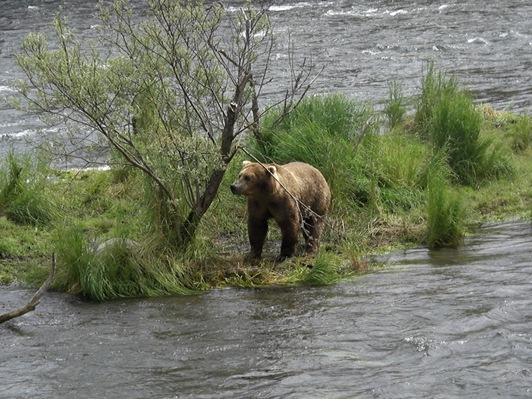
[(35, 299)]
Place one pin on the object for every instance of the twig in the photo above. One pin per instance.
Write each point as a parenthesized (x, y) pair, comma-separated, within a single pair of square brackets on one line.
[(35, 299)]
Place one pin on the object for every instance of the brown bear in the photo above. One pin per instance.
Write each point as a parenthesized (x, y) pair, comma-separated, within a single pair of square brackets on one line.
[(272, 191)]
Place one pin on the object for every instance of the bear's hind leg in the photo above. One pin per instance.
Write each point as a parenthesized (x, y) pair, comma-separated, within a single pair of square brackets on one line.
[(310, 234)]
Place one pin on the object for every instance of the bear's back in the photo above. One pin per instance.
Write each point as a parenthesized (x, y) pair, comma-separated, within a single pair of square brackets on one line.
[(307, 184)]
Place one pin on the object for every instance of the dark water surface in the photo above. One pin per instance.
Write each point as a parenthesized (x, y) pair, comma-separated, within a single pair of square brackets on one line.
[(452, 323), (362, 44)]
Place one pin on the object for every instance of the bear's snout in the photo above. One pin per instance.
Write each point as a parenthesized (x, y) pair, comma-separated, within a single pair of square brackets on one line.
[(233, 188)]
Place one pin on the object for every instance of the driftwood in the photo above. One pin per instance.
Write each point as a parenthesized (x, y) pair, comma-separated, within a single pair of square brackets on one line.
[(35, 299)]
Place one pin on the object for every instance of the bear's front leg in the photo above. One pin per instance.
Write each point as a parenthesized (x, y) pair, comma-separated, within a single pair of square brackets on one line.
[(289, 231), (257, 231)]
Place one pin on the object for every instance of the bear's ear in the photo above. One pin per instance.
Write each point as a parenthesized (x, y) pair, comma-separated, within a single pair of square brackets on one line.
[(272, 170), (245, 163)]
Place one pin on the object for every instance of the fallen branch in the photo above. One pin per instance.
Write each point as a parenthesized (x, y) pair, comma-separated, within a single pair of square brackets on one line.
[(35, 299)]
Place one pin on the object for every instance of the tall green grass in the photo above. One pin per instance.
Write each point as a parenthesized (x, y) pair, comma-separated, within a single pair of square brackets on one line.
[(447, 117), (119, 269), (322, 131), (394, 107), (445, 211), (341, 138), (23, 198), (435, 85)]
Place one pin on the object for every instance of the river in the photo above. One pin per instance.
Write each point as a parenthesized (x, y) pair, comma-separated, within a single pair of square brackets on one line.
[(361, 44), (453, 323)]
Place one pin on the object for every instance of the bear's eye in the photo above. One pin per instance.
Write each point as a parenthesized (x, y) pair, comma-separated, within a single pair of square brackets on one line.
[(246, 178)]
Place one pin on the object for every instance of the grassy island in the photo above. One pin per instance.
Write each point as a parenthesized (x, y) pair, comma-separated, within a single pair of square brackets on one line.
[(420, 172)]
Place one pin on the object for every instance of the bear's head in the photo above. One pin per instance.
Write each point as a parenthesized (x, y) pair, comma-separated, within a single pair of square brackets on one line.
[(254, 179)]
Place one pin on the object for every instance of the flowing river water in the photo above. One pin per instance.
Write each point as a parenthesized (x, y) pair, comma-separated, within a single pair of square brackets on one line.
[(361, 44), (453, 323), (431, 324)]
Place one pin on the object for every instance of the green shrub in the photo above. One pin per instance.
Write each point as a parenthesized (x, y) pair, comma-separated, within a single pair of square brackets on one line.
[(22, 192)]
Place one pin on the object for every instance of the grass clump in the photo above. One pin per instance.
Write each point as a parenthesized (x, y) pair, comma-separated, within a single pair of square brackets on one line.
[(456, 127), (521, 134), (322, 131), (448, 118), (445, 212), (394, 107), (325, 270), (114, 268), (22, 195)]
